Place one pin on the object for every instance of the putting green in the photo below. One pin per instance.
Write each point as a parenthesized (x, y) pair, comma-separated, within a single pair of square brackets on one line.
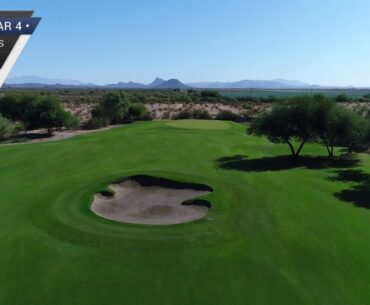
[(276, 232), (199, 124)]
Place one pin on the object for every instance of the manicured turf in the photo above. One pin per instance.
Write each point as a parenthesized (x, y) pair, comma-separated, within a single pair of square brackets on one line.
[(272, 237), (199, 124)]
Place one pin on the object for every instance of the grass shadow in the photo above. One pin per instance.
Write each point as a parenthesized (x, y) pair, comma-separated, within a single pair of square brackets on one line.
[(34, 136), (359, 193), (279, 163)]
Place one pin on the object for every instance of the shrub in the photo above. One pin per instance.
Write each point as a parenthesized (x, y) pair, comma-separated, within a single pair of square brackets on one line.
[(71, 121), (201, 115), (7, 128), (184, 115), (210, 94), (138, 112), (226, 115), (96, 123), (342, 98), (113, 109)]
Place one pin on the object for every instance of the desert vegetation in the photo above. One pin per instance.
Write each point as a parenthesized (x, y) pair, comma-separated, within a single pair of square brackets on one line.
[(7, 128), (117, 108), (94, 109), (35, 112)]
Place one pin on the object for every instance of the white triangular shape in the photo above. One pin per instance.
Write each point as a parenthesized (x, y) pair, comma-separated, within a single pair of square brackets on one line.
[(12, 58)]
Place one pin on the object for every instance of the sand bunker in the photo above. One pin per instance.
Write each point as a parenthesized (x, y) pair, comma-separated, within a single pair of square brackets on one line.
[(152, 201)]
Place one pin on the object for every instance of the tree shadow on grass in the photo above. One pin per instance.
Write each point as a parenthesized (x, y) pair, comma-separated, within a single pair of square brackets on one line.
[(279, 163), (33, 136), (359, 193)]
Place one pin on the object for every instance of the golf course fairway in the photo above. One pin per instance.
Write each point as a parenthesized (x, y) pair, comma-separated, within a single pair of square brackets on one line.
[(277, 233)]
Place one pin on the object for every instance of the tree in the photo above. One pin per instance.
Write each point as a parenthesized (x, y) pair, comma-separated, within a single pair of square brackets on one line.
[(35, 111), (21, 108), (287, 122), (360, 140), (336, 126), (49, 114), (342, 98), (367, 133), (113, 108)]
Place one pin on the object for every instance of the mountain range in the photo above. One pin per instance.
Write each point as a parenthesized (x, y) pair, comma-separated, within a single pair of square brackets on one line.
[(158, 83)]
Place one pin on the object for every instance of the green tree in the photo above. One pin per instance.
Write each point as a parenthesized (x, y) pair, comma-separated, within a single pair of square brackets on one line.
[(113, 108), (287, 122), (21, 108), (49, 114), (336, 126), (343, 98)]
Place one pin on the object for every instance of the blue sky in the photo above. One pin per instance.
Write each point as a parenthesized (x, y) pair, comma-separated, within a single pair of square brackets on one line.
[(321, 42)]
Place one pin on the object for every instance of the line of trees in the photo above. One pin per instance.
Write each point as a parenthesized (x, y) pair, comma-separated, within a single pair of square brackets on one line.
[(36, 112), (313, 119)]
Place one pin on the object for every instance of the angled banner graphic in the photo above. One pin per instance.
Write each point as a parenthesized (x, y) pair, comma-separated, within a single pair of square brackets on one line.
[(16, 28)]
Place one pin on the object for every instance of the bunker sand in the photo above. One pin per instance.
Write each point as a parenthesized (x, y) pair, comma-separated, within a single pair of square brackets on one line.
[(138, 201)]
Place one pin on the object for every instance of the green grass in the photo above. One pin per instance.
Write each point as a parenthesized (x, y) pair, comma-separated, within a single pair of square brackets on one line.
[(199, 124), (271, 238)]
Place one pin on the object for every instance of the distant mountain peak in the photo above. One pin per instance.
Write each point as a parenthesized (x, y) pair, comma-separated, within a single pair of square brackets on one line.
[(158, 81), (129, 85), (172, 84)]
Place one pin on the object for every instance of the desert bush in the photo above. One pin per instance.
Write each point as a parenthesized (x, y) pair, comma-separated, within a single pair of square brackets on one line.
[(210, 94), (343, 98), (96, 123), (117, 108), (71, 121), (113, 108), (183, 115), (35, 111), (7, 128), (138, 112), (201, 115), (166, 115), (226, 115)]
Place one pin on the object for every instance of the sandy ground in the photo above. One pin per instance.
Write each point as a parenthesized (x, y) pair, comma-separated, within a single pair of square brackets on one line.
[(58, 135), (160, 111), (166, 111), (149, 205), (81, 110)]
